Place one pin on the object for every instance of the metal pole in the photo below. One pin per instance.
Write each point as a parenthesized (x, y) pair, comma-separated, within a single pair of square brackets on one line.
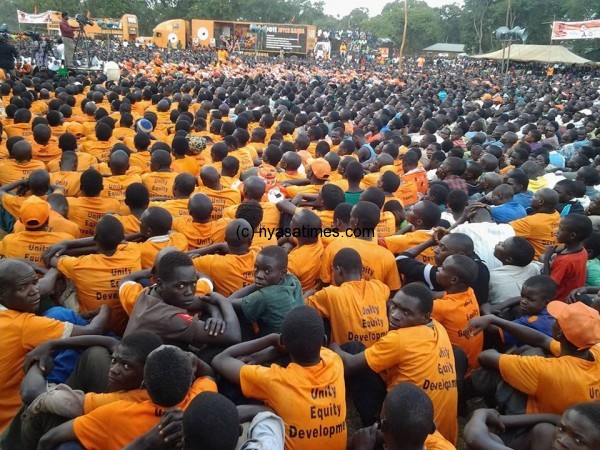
[(503, 51), (504, 43), (401, 60), (508, 57)]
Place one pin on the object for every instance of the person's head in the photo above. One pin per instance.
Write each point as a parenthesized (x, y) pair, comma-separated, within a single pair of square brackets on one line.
[(502, 194), (437, 193), (536, 293), (577, 325), (346, 266), (91, 183), (374, 195), (518, 156), (303, 334), (514, 251), (155, 221), (211, 422), (109, 233), (39, 182), (254, 188), (19, 290), (118, 162), (354, 172), (341, 216), (451, 166), (406, 417), (22, 151), (364, 216), (410, 307), (578, 428), (252, 212), (588, 175), (453, 244), (210, 177), (163, 365), (318, 171), (424, 215), (489, 163), (566, 190), (591, 244), (457, 273), (518, 180), (309, 225), (160, 160), (545, 199), (126, 370), (388, 182), (176, 279), (330, 196), (239, 234), (574, 228), (473, 172), (137, 197), (270, 266)]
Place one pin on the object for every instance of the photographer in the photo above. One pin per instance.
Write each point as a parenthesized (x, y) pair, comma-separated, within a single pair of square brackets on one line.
[(68, 33), (8, 54)]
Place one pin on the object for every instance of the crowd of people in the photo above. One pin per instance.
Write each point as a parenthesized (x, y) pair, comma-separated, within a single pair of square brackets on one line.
[(246, 253)]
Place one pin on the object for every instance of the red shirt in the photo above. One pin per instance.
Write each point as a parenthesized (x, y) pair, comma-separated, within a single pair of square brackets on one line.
[(66, 30), (569, 272)]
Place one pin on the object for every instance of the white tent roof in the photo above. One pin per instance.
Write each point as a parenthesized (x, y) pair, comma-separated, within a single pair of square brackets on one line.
[(537, 53)]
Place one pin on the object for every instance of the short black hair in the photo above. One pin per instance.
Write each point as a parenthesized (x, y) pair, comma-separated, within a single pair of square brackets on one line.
[(409, 414), (342, 212), (354, 171), (429, 213), (163, 365), (522, 251), (421, 292), (438, 192), (457, 165), (170, 262), (332, 196), (367, 214), (579, 224), (158, 219), (109, 232), (91, 183), (465, 268), (390, 181), (137, 196), (211, 422), (277, 253), (302, 333), (543, 283), (374, 195), (348, 260), (520, 178), (591, 410), (592, 244), (251, 211), (141, 343)]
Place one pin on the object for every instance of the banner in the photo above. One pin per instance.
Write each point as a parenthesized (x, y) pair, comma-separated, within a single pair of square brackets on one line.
[(34, 18), (576, 30)]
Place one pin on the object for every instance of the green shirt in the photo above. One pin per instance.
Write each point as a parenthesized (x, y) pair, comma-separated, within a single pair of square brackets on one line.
[(352, 197), (593, 272), (269, 305)]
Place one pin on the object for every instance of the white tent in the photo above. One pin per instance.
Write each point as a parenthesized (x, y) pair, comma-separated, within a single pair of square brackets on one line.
[(537, 53)]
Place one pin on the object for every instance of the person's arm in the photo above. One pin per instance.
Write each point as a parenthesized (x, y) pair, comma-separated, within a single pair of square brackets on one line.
[(56, 436), (490, 358), (418, 249), (220, 248), (228, 364), (352, 363), (546, 259), (11, 186), (243, 292), (477, 432), (168, 433), (56, 189), (33, 385), (286, 207), (96, 326), (298, 182), (229, 332), (53, 252), (247, 412), (143, 274), (524, 334)]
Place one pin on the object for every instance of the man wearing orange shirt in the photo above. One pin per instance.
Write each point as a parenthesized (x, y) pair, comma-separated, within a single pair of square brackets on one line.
[(115, 185), (21, 124), (356, 308), (183, 162), (67, 178), (161, 178), (231, 264), (199, 229), (96, 276), (378, 263), (414, 350), (68, 142), (137, 200), (317, 173), (20, 164), (387, 221), (57, 221), (309, 394), (183, 188), (141, 158), (115, 425), (541, 227), (100, 148), (44, 145), (86, 210), (220, 197), (23, 330)]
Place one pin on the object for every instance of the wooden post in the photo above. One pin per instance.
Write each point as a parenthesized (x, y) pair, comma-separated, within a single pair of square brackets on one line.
[(401, 60)]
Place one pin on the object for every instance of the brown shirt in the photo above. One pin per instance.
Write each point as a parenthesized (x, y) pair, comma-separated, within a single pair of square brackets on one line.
[(66, 30)]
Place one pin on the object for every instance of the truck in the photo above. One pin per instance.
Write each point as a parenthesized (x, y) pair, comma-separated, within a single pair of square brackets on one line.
[(246, 37)]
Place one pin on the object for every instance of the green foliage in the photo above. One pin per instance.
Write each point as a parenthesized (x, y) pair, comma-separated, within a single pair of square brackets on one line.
[(471, 24)]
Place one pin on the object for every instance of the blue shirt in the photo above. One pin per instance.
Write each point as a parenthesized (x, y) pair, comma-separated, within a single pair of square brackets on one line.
[(524, 199), (541, 322), (508, 212)]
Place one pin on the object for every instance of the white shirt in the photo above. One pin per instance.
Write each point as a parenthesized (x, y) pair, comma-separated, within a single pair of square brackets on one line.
[(485, 236), (506, 281)]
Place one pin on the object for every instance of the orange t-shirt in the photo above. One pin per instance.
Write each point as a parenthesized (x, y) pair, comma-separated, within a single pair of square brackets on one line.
[(370, 180), (98, 149), (150, 248), (84, 162), (141, 160), (387, 224), (96, 278), (292, 191), (357, 310), (540, 229), (187, 164), (18, 129), (244, 157), (200, 235), (506, 169), (11, 170), (56, 223), (115, 186), (553, 384), (407, 193), (130, 222), (305, 263), (436, 441), (87, 211), (421, 355), (30, 245), (114, 425), (178, 207), (311, 400), (46, 153), (270, 221), (378, 262), (159, 184), (69, 181), (21, 332), (121, 133), (402, 242), (454, 311), (419, 178), (229, 273), (326, 217), (220, 199)]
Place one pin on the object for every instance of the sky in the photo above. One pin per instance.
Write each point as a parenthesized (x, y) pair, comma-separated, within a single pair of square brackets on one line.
[(343, 7)]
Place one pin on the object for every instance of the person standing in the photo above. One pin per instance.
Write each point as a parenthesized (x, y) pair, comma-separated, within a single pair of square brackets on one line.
[(8, 54), (68, 33)]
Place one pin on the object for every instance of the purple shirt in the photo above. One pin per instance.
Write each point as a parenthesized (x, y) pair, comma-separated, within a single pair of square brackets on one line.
[(66, 30)]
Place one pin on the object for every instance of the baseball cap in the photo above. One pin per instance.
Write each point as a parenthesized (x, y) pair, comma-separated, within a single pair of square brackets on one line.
[(34, 212), (579, 323), (321, 169)]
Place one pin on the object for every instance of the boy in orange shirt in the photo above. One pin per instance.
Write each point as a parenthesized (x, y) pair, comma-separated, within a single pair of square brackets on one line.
[(115, 185), (414, 350), (355, 308), (20, 164), (137, 201), (220, 197), (115, 425), (301, 393), (44, 146), (67, 177), (198, 228), (458, 305), (161, 178), (387, 222), (183, 188)]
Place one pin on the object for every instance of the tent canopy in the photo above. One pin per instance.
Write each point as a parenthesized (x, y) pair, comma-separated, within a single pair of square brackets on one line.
[(537, 53)]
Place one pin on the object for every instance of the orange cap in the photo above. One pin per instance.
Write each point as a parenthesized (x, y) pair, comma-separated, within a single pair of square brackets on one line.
[(34, 212), (579, 323), (320, 168)]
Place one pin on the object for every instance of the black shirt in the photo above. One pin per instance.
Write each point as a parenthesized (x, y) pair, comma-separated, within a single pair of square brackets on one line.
[(8, 53), (412, 270)]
